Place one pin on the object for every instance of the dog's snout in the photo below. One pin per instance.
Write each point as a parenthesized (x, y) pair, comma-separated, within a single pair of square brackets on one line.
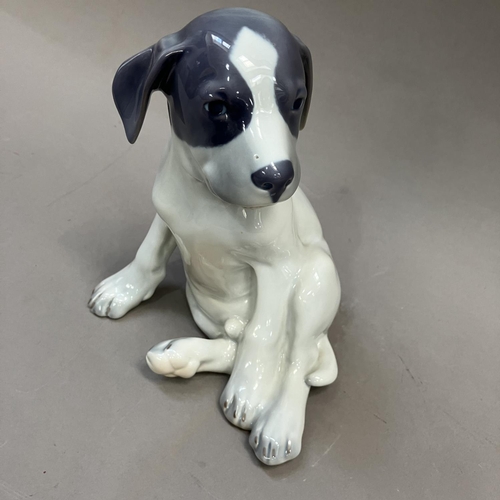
[(274, 178)]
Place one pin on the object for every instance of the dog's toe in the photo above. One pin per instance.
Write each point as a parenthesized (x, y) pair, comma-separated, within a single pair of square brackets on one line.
[(100, 304), (105, 304), (274, 442)]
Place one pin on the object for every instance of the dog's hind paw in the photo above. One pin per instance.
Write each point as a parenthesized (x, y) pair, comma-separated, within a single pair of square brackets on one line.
[(185, 357), (117, 295), (165, 359)]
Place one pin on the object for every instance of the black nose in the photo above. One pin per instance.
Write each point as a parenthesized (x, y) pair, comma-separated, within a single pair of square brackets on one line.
[(274, 178)]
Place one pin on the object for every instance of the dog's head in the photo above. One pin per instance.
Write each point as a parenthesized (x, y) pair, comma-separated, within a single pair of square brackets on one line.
[(238, 85)]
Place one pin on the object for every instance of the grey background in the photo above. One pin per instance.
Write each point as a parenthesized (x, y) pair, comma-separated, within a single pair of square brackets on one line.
[(401, 159)]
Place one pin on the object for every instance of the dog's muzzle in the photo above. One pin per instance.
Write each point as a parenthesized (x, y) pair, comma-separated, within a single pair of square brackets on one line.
[(274, 178)]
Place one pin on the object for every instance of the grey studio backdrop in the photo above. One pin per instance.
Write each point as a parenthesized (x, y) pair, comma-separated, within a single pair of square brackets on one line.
[(401, 160)]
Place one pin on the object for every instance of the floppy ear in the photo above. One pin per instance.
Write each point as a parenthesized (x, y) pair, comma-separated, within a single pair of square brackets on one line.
[(141, 75), (305, 55)]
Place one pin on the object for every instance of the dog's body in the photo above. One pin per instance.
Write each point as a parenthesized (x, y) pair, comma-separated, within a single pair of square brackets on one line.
[(260, 280)]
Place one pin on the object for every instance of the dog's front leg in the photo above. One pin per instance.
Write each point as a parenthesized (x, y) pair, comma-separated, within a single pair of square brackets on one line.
[(276, 436), (262, 349), (121, 292)]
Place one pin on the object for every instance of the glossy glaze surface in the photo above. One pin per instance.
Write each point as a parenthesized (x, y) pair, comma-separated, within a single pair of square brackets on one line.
[(261, 283), (400, 162)]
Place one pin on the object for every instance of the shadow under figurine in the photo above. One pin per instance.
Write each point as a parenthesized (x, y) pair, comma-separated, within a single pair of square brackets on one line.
[(261, 283)]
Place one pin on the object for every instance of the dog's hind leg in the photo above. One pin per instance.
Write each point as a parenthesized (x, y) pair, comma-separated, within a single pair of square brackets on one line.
[(117, 295), (327, 370), (186, 356)]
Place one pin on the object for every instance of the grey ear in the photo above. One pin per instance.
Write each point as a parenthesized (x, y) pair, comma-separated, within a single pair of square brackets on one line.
[(141, 75), (305, 54)]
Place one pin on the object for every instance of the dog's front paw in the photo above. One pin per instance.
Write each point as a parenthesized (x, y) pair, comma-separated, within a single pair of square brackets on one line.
[(241, 406), (276, 436), (117, 295), (249, 391)]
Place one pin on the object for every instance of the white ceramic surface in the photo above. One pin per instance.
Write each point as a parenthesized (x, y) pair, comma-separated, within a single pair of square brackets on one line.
[(261, 283)]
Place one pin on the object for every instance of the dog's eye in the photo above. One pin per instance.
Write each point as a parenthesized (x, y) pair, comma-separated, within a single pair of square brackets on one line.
[(297, 104), (216, 108)]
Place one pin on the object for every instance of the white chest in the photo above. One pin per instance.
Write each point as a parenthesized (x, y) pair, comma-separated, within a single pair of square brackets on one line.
[(222, 233)]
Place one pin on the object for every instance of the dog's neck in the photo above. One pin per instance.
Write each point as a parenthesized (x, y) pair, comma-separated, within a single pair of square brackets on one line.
[(179, 156)]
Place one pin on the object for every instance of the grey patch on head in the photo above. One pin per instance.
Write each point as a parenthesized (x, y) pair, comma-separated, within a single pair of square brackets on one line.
[(189, 67)]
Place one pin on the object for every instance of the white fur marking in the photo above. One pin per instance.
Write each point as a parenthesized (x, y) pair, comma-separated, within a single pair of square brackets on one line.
[(256, 58), (268, 135)]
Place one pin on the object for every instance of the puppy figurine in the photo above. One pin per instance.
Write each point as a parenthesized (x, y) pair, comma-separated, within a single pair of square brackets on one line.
[(261, 283)]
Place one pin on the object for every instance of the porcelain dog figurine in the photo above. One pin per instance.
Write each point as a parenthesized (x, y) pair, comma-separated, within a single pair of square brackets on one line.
[(261, 283)]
